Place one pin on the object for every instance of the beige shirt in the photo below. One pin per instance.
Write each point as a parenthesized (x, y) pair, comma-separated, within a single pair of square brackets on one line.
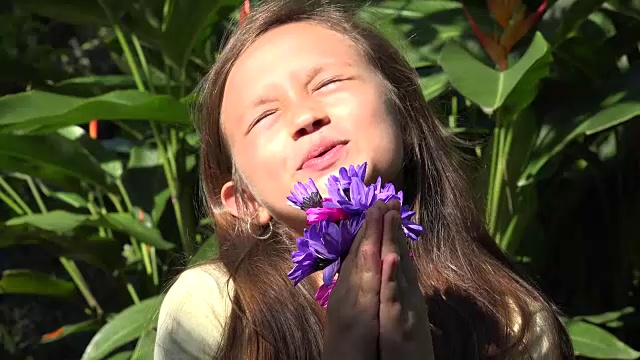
[(194, 311)]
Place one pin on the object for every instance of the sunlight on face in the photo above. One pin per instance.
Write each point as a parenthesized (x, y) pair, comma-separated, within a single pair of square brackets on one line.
[(300, 103)]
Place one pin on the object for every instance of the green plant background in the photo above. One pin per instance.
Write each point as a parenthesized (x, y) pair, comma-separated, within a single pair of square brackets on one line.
[(92, 230)]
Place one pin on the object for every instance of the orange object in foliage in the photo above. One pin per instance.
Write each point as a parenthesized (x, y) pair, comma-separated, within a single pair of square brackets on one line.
[(244, 11), (93, 129), (510, 15), (53, 335)]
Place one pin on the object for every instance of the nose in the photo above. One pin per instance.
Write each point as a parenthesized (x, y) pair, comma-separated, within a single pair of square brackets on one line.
[(309, 118)]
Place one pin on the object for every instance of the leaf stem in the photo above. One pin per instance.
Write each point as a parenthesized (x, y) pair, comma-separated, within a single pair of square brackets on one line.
[(186, 246), (7, 200), (36, 194), (81, 283), (5, 185)]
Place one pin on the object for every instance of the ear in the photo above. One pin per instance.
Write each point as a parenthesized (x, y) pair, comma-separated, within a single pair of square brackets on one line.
[(231, 203)]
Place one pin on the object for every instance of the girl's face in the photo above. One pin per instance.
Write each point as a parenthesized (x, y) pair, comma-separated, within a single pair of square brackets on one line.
[(300, 103)]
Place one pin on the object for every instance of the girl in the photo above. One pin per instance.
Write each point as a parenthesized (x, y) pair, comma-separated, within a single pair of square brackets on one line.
[(300, 90)]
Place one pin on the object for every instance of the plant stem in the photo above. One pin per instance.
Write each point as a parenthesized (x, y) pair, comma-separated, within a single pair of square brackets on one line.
[(495, 177), (132, 292), (81, 283), (186, 246), (125, 195), (143, 61), (92, 209), (68, 264), (7, 200), (5, 185), (36, 194)]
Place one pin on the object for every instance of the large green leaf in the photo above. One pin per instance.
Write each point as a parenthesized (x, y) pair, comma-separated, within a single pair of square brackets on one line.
[(123, 328), (627, 7), (187, 21), (565, 16), (53, 158), (418, 28), (433, 85), (69, 11), (126, 223), (61, 222), (35, 283), (209, 250), (594, 342), (36, 111), (99, 251), (108, 160), (556, 137), (490, 88), (145, 346)]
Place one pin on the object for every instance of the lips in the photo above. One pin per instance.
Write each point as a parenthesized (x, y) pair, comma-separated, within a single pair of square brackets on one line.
[(322, 155)]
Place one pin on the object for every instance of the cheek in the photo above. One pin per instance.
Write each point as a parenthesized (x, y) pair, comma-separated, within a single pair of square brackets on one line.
[(261, 163)]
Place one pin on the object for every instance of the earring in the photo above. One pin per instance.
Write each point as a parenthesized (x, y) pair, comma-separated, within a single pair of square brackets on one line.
[(263, 236)]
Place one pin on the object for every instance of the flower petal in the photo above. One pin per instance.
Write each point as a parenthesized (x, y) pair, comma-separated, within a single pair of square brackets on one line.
[(330, 272)]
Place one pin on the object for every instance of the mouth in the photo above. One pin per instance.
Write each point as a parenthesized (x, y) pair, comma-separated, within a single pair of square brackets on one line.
[(323, 156)]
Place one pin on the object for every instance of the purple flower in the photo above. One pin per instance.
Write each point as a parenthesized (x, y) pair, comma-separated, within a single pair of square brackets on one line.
[(324, 246), (411, 230), (345, 175), (322, 295), (305, 196), (329, 211)]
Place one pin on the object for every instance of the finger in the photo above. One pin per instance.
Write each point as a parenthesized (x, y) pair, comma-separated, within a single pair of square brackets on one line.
[(406, 262), (389, 282), (390, 234), (369, 257), (391, 329)]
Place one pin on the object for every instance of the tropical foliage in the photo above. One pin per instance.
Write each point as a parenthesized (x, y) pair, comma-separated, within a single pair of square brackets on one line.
[(98, 155)]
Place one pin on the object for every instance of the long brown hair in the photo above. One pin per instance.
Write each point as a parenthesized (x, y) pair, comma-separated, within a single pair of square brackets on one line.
[(474, 294)]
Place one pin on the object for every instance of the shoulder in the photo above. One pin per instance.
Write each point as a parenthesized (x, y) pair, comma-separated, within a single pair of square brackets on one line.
[(193, 314)]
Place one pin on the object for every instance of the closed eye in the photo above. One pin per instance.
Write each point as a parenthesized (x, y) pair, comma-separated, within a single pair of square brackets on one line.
[(261, 117), (327, 82)]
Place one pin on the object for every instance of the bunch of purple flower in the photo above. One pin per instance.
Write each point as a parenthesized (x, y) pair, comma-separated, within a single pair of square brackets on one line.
[(335, 221)]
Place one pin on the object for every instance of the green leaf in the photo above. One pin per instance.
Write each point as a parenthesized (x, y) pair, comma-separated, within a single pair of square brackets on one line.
[(159, 204), (433, 85), (592, 341), (123, 355), (123, 328), (143, 156), (607, 317), (187, 21), (69, 11), (490, 88), (36, 111), (108, 160), (61, 222), (208, 251), (35, 283), (145, 346), (564, 17), (418, 28), (126, 223), (72, 199), (99, 251), (556, 137), (627, 7), (57, 221), (52, 158), (70, 329)]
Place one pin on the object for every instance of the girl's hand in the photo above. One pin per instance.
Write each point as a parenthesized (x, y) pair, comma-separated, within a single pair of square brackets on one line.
[(404, 320), (352, 312)]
